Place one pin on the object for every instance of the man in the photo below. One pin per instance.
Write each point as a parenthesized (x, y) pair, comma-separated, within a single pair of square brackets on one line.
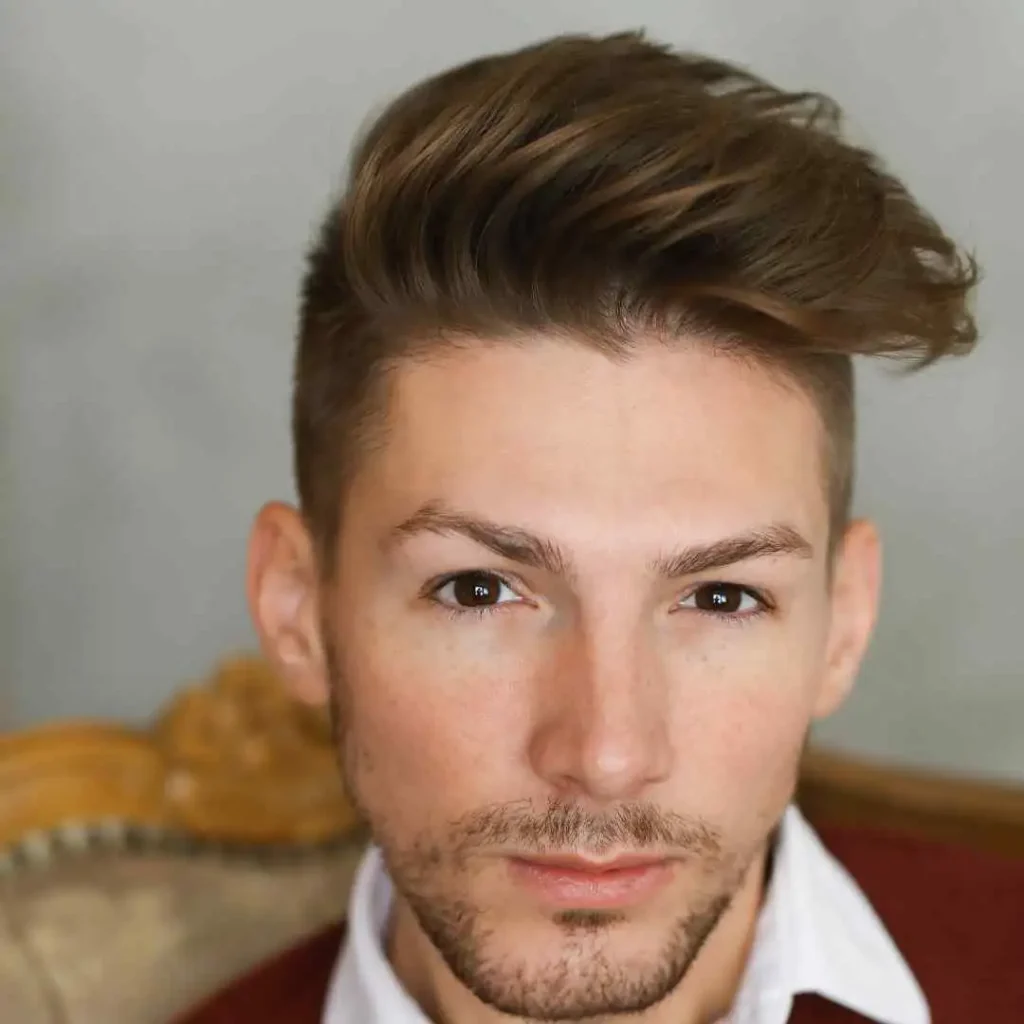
[(574, 564)]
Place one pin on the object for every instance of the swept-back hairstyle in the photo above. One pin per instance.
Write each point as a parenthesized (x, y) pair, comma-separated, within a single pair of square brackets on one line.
[(609, 191)]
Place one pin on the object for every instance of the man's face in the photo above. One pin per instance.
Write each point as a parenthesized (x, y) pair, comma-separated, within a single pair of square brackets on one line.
[(579, 624)]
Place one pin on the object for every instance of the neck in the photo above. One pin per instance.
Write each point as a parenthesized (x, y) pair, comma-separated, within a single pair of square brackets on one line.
[(704, 996)]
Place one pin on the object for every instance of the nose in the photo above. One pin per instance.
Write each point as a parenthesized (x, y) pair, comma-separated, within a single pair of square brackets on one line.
[(602, 729)]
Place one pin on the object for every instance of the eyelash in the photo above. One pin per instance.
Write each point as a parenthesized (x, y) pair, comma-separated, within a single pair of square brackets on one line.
[(728, 618)]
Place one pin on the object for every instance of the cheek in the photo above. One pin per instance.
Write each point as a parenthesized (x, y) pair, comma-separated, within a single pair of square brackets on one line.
[(739, 726), (432, 728), (753, 743)]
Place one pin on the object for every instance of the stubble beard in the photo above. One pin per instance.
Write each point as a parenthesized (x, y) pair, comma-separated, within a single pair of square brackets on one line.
[(585, 980)]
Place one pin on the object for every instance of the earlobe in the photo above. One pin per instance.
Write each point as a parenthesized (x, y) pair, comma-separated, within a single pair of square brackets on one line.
[(856, 587), (283, 596)]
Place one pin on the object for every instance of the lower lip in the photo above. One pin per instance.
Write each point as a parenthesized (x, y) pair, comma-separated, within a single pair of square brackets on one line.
[(572, 888)]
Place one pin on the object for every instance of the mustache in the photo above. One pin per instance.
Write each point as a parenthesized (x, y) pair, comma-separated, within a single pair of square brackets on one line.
[(565, 825)]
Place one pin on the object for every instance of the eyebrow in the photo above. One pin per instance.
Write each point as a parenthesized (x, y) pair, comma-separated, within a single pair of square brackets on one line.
[(526, 548)]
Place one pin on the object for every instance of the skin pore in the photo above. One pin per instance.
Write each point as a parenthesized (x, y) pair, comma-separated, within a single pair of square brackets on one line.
[(579, 607)]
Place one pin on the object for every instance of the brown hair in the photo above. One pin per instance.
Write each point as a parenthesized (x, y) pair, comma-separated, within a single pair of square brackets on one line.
[(601, 188)]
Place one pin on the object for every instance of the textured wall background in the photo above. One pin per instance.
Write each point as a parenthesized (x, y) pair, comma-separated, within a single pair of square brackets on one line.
[(162, 167)]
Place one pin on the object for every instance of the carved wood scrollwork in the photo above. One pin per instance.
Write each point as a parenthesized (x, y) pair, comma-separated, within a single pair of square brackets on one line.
[(233, 760)]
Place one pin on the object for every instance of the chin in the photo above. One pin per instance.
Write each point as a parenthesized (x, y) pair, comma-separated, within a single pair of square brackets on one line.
[(570, 964), (574, 970)]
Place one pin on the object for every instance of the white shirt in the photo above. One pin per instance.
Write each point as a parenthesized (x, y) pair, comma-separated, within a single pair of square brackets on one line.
[(816, 933)]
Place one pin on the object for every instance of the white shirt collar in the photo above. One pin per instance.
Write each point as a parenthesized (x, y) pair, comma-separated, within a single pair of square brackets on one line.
[(816, 933)]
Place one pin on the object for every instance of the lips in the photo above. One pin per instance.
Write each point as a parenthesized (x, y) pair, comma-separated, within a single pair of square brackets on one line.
[(573, 882), (584, 865)]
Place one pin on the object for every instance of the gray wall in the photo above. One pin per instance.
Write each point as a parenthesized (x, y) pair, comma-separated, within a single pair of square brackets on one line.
[(163, 165)]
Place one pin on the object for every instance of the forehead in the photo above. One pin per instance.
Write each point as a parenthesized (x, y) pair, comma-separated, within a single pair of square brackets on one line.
[(550, 430)]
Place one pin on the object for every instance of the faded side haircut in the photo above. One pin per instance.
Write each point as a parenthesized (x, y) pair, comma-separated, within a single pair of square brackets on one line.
[(611, 191)]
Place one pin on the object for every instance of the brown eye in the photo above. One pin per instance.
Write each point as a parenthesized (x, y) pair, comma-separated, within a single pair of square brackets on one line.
[(475, 588), (472, 590), (723, 599)]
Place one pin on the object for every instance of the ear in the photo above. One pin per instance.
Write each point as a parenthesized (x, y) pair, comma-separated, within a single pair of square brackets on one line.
[(282, 586), (855, 591)]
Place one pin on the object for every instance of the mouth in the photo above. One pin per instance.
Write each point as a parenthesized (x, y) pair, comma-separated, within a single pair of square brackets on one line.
[(579, 883)]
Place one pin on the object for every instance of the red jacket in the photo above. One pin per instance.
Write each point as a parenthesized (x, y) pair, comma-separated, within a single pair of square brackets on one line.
[(956, 915)]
